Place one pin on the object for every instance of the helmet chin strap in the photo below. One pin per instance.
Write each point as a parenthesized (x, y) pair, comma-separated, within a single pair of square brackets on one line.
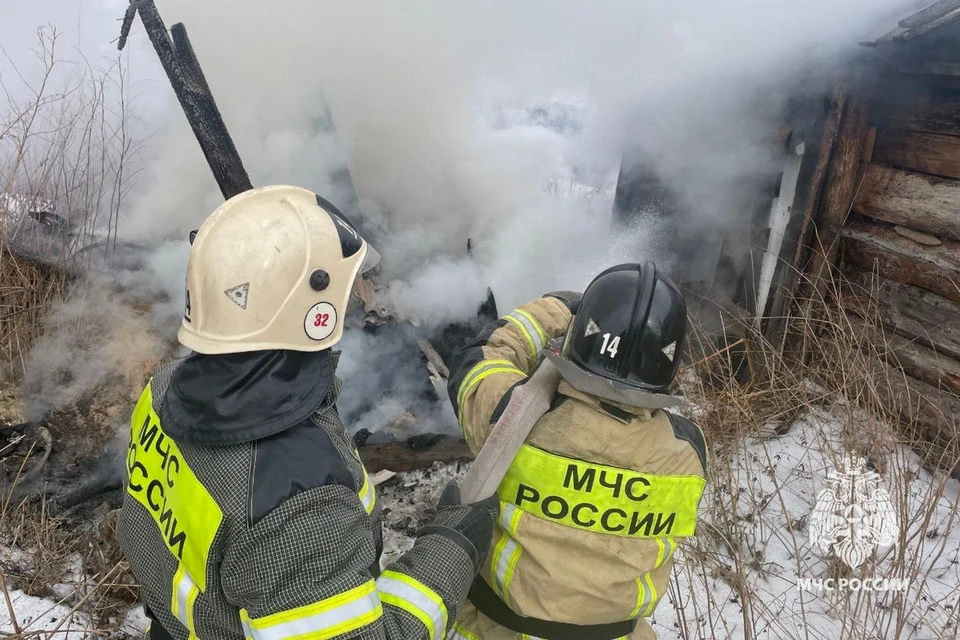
[(594, 385)]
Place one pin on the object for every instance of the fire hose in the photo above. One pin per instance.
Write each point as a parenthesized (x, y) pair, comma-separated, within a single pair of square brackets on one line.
[(527, 404)]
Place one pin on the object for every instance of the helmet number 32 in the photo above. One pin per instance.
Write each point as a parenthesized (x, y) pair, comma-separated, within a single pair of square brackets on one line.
[(320, 321), (609, 347)]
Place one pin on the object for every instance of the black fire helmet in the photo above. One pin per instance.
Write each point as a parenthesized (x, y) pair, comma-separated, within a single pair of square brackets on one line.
[(630, 327)]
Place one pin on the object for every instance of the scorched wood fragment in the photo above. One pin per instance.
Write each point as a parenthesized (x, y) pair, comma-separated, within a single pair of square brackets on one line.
[(399, 456)]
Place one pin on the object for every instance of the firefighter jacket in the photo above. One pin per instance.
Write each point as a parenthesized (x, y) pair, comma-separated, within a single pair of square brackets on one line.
[(248, 513), (593, 506)]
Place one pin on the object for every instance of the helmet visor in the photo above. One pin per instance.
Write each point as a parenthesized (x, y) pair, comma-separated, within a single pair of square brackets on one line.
[(371, 259)]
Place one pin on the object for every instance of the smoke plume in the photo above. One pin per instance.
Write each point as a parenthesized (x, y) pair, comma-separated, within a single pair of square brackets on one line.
[(434, 105)]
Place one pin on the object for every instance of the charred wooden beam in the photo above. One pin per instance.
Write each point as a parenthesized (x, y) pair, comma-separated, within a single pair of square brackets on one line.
[(927, 14), (924, 27), (400, 456), (932, 153), (914, 200), (880, 249), (796, 243), (926, 67), (931, 113), (190, 86), (917, 314), (838, 193)]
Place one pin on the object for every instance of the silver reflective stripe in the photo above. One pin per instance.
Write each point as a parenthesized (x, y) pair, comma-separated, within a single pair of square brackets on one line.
[(419, 601), (666, 547), (247, 629), (508, 550), (459, 633), (531, 329), (346, 615), (368, 494), (184, 587)]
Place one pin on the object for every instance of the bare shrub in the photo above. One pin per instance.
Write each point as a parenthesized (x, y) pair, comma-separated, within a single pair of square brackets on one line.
[(65, 153)]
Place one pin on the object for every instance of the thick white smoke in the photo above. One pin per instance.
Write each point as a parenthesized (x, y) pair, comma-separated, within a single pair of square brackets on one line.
[(414, 88)]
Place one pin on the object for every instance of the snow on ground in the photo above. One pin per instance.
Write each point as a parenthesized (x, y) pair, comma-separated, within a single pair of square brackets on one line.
[(744, 568), (41, 614), (742, 571)]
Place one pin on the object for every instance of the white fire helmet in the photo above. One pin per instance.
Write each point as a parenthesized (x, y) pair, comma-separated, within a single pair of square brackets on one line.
[(271, 268)]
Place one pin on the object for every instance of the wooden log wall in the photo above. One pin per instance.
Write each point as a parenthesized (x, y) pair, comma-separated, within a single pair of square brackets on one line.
[(892, 198)]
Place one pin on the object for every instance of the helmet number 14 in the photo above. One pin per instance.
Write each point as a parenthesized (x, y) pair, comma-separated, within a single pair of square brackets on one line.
[(609, 347)]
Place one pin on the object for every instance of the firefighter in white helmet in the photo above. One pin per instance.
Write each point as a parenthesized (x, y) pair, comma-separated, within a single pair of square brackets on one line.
[(247, 511), (606, 484)]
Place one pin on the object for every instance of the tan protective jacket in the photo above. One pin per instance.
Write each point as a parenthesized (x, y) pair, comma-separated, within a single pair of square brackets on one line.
[(596, 501)]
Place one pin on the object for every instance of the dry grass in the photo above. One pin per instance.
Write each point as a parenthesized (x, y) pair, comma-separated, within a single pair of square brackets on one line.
[(75, 565), (27, 288), (65, 148), (836, 380)]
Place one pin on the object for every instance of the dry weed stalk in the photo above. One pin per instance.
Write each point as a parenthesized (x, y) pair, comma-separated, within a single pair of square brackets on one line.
[(843, 390), (65, 149)]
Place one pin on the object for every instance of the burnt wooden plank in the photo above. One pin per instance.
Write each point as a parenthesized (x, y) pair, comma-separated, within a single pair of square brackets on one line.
[(927, 26), (933, 153), (796, 241), (839, 191), (927, 14), (915, 200), (917, 109), (399, 456), (878, 248)]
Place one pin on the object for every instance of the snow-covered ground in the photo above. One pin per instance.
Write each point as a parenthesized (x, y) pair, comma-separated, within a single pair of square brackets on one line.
[(740, 577)]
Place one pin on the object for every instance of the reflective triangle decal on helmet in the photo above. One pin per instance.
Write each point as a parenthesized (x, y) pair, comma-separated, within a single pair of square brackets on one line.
[(238, 294), (670, 350), (592, 328)]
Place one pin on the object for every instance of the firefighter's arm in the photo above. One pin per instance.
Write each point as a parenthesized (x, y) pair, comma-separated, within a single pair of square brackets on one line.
[(504, 355), (309, 568)]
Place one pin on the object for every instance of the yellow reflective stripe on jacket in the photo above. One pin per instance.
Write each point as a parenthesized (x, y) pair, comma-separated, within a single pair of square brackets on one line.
[(646, 596), (459, 633), (368, 494), (342, 613), (183, 596), (159, 479), (506, 553), (415, 598), (476, 375), (532, 331), (480, 371), (602, 498)]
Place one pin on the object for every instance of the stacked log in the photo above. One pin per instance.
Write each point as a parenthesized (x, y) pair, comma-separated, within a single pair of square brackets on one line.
[(900, 254)]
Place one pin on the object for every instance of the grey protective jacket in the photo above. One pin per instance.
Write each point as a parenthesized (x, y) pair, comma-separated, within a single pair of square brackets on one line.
[(248, 512)]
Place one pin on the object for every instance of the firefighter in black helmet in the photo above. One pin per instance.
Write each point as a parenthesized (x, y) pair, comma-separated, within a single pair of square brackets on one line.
[(607, 484)]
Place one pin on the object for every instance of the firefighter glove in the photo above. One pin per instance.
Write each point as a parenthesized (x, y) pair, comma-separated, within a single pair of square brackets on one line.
[(470, 526)]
